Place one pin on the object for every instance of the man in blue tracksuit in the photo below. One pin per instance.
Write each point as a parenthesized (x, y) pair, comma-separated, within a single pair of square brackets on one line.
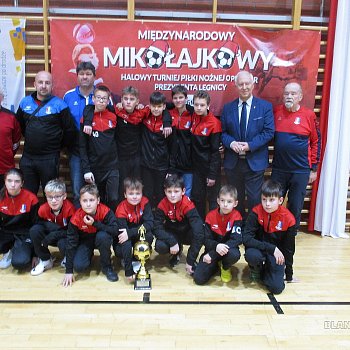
[(47, 126), (77, 99)]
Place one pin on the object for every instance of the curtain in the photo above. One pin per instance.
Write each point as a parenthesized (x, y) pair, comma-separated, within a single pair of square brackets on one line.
[(330, 211)]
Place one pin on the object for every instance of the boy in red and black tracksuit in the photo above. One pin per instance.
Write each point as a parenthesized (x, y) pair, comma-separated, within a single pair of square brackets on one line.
[(129, 131), (177, 222), (98, 152), (269, 239), (92, 226), (181, 139), (51, 229), (154, 150), (222, 238), (206, 137), (18, 212), (134, 211)]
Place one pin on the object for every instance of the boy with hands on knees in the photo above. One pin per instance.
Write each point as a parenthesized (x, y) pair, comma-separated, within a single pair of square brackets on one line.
[(269, 239), (222, 237), (177, 222)]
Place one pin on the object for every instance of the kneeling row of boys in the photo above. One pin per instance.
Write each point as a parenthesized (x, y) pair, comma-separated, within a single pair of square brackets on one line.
[(268, 234)]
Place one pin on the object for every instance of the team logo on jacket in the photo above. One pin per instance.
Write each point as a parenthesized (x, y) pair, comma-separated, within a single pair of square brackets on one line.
[(214, 227), (23, 208), (141, 211), (205, 131), (297, 121), (110, 124), (64, 222), (228, 227), (279, 226), (188, 125), (75, 103), (48, 110)]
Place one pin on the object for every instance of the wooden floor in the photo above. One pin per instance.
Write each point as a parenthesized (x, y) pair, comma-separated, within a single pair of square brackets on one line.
[(37, 313)]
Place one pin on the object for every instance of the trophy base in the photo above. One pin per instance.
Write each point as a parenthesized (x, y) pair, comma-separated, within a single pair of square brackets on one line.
[(143, 284)]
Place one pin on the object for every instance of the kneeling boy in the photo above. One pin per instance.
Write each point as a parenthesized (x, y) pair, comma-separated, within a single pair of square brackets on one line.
[(177, 222), (134, 211), (54, 217), (269, 239), (92, 226), (222, 234)]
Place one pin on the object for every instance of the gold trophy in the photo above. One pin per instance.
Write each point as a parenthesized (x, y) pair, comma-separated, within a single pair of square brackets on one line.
[(142, 252)]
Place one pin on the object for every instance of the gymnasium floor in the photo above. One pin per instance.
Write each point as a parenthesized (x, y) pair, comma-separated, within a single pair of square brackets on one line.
[(37, 313)]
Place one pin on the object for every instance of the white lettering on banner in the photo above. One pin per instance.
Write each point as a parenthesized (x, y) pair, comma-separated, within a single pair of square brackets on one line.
[(185, 35), (131, 57), (125, 56), (192, 87)]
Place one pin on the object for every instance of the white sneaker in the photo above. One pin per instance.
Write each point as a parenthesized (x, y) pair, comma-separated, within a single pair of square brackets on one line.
[(5, 261), (41, 267)]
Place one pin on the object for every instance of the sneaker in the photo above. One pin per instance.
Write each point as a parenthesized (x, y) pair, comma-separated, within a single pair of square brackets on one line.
[(63, 263), (111, 275), (5, 261), (42, 266), (174, 260), (226, 275)]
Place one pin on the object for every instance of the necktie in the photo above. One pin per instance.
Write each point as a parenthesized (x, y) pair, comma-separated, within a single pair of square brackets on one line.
[(243, 122)]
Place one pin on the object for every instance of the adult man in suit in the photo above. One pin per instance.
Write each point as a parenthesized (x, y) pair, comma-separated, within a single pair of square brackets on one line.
[(247, 128)]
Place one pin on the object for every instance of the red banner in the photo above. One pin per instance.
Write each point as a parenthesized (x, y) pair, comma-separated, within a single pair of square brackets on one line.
[(156, 56)]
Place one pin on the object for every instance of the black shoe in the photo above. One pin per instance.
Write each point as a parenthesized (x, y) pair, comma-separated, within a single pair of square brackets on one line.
[(174, 260), (111, 275)]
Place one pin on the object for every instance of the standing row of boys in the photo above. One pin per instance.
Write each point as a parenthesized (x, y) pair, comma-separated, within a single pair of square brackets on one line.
[(179, 144)]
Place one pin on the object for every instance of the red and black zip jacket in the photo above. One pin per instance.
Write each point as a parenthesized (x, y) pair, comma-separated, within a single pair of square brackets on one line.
[(297, 140), (181, 144), (18, 214), (104, 220), (131, 217), (206, 137), (98, 152), (55, 225), (10, 134), (178, 219), (129, 129), (154, 145), (222, 228), (266, 231)]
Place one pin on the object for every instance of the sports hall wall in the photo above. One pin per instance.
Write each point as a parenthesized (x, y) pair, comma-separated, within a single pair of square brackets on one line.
[(268, 15)]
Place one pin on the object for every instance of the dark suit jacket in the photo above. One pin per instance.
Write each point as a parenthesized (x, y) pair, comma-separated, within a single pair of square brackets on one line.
[(260, 131)]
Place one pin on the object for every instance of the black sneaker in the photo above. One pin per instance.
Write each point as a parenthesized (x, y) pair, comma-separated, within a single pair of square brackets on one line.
[(111, 275), (174, 260)]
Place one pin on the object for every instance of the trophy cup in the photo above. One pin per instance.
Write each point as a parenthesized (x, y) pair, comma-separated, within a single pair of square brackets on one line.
[(142, 252)]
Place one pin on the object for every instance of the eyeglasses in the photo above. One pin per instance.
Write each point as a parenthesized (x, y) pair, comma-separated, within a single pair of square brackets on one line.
[(56, 198), (101, 98)]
